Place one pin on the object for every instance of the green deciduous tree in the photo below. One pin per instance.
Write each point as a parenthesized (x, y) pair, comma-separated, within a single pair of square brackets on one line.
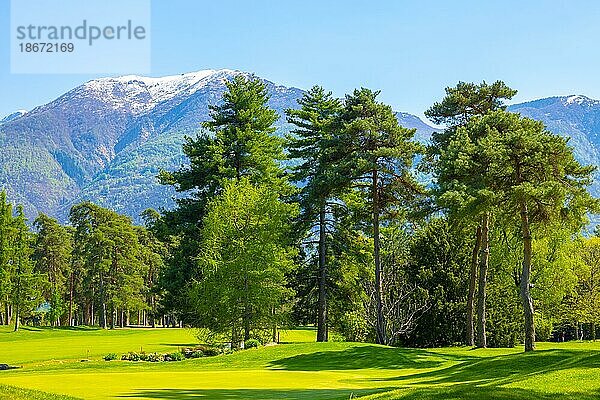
[(52, 256), (583, 304), (107, 245), (26, 289), (6, 266), (244, 258)]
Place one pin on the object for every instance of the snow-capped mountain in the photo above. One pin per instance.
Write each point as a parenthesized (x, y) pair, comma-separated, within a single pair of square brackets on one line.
[(13, 116), (107, 139)]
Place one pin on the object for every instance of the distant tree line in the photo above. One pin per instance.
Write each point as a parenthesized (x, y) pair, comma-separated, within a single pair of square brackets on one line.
[(348, 223)]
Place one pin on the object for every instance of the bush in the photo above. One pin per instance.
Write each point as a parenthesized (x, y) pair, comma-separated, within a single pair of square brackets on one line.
[(176, 356), (131, 356), (251, 343), (155, 357), (193, 353), (197, 354), (211, 352), (353, 326), (110, 357), (207, 351)]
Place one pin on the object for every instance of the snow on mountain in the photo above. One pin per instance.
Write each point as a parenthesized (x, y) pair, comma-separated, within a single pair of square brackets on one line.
[(140, 94), (13, 116), (578, 99)]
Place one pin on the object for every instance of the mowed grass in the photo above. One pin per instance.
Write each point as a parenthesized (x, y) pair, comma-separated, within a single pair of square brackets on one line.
[(51, 361)]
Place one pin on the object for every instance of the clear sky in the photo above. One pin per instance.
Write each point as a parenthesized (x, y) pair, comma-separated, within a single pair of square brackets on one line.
[(410, 50)]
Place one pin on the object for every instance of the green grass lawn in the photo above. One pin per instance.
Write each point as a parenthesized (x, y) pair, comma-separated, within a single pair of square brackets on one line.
[(51, 361)]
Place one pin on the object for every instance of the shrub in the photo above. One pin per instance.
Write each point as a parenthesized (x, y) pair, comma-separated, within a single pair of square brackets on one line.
[(197, 354), (155, 357), (211, 352), (131, 356), (110, 357), (193, 353), (251, 343), (207, 351), (176, 356)]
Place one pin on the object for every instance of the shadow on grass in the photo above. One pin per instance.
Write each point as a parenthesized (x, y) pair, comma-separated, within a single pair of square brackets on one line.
[(364, 357), (509, 368), (485, 378), (254, 394), (471, 392), (469, 377)]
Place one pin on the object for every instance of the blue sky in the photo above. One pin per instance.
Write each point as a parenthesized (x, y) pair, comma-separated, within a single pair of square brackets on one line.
[(410, 50)]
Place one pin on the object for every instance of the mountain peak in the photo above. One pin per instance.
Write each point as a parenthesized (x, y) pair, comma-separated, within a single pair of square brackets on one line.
[(577, 99), (13, 116), (190, 77), (142, 93)]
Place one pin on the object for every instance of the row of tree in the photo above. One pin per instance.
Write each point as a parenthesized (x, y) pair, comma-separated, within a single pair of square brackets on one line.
[(347, 222), (361, 204), (95, 271)]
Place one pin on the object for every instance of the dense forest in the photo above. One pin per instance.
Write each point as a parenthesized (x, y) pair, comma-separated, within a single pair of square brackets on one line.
[(480, 237)]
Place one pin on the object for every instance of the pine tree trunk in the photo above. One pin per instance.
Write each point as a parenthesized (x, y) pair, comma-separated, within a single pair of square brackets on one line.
[(472, 285), (482, 281), (235, 342), (103, 320), (113, 317), (322, 334), (71, 300), (17, 316), (153, 321), (380, 327), (592, 331), (7, 312), (526, 280), (246, 330), (19, 283), (246, 317)]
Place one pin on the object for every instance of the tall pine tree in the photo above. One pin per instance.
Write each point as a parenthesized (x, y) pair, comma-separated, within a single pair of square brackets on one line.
[(375, 155), (309, 147), (461, 103)]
